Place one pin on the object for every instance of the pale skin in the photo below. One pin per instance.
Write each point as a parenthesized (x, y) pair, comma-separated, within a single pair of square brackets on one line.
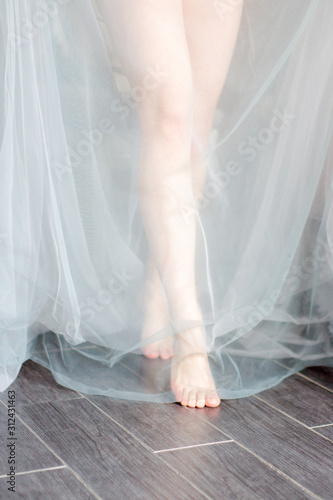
[(193, 42)]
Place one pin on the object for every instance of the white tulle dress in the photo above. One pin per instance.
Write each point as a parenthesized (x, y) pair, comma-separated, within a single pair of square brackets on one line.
[(74, 248)]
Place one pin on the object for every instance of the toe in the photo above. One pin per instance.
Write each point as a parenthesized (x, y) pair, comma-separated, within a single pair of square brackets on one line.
[(185, 397), (165, 355), (213, 402), (151, 354), (201, 399), (192, 399)]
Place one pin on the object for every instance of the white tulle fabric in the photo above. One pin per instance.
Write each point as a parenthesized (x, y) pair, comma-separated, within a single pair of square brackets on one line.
[(73, 243)]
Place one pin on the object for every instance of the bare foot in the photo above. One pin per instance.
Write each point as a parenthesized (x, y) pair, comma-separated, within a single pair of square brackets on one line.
[(155, 318), (191, 378)]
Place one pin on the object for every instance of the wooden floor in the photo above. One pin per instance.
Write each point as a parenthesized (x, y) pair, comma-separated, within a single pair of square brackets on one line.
[(277, 445)]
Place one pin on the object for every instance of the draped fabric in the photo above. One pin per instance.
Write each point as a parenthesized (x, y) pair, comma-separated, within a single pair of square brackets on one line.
[(74, 241)]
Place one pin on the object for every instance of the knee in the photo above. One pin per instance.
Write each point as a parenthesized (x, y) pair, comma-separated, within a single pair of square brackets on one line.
[(169, 113), (175, 115)]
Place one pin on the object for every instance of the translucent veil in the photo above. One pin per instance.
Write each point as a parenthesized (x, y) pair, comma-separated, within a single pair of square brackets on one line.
[(74, 247)]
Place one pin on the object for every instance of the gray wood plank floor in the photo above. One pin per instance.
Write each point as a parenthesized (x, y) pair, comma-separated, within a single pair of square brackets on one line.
[(275, 445)]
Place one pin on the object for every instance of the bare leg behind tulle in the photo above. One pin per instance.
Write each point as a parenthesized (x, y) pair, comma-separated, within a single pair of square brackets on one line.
[(190, 45)]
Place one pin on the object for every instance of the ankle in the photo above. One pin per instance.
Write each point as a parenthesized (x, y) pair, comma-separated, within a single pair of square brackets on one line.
[(191, 342)]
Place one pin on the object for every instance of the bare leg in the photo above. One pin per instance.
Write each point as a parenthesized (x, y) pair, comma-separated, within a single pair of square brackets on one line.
[(151, 33), (211, 33), (211, 30), (156, 315)]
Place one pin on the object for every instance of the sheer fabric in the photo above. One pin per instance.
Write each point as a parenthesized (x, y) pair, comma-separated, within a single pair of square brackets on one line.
[(74, 246)]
